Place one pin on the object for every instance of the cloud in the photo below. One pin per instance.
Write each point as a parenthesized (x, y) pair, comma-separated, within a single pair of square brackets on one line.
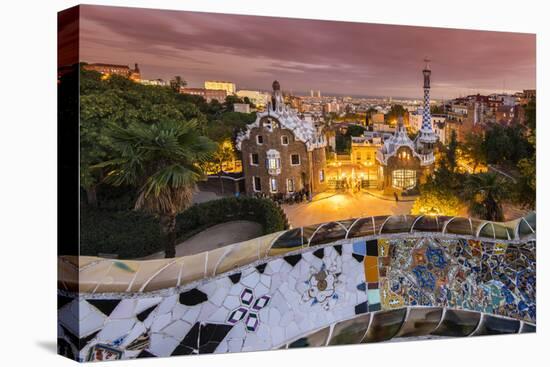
[(338, 57)]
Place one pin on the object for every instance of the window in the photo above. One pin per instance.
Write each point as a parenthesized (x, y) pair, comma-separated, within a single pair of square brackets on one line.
[(259, 139), (404, 178), (358, 157), (322, 175), (290, 185), (254, 159), (256, 183), (273, 184), (405, 155), (295, 159), (273, 162), (284, 140)]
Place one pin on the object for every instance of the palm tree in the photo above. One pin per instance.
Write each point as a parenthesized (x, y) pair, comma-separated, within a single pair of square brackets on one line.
[(162, 160), (484, 193)]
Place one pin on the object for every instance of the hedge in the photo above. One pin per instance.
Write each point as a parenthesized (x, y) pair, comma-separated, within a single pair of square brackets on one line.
[(131, 234), (128, 234), (201, 216)]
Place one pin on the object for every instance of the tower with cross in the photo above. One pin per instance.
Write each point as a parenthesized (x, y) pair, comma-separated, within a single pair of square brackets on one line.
[(426, 138)]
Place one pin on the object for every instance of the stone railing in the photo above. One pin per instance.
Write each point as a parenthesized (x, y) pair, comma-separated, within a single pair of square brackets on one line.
[(306, 286)]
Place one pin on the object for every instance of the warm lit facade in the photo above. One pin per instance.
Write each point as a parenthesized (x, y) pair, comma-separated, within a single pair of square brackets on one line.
[(259, 99), (114, 69), (363, 150), (281, 153), (207, 94), (228, 87)]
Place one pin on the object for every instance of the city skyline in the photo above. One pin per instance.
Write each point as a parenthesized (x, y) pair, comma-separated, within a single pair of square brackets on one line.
[(338, 58)]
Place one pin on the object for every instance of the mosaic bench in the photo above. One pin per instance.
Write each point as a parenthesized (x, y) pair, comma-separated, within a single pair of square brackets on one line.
[(355, 281)]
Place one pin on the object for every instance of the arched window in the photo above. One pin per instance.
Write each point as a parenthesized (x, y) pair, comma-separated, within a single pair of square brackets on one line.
[(273, 162)]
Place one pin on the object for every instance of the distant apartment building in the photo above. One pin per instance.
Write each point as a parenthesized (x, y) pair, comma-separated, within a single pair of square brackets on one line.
[(114, 69), (505, 115), (438, 123), (241, 107), (377, 118), (155, 82), (208, 94), (259, 99), (228, 87), (294, 101), (526, 96), (331, 107), (530, 93), (315, 93)]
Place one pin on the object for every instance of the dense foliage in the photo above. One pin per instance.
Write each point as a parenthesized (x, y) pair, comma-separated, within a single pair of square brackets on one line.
[(436, 201), (510, 148), (161, 161), (119, 101), (131, 234), (152, 143), (126, 234), (527, 182), (506, 145), (343, 141)]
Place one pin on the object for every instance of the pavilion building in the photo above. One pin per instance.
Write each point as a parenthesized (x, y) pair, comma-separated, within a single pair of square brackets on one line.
[(282, 154), (404, 163)]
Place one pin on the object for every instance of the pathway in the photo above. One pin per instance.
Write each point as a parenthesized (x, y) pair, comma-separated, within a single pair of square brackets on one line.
[(217, 236)]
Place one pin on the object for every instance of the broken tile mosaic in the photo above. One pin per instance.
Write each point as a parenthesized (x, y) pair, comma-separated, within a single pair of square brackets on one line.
[(341, 290)]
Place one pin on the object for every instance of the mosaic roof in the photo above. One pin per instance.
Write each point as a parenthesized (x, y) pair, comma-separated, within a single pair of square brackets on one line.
[(304, 131)]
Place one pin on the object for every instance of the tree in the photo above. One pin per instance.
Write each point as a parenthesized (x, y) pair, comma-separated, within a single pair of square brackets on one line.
[(249, 102), (355, 130), (450, 152), (437, 109), (161, 160), (433, 201), (506, 145), (227, 125), (120, 101), (531, 114), (395, 112), (230, 100), (525, 193), (484, 193), (177, 83), (342, 143), (446, 174), (222, 155), (473, 150)]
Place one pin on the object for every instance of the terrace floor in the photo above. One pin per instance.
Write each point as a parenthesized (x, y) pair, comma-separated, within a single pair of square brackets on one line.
[(328, 207)]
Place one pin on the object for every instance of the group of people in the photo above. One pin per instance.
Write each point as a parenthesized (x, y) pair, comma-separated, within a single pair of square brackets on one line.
[(281, 198), (347, 183)]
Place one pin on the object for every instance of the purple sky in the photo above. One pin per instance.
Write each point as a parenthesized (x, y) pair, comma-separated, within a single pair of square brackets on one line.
[(335, 57)]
